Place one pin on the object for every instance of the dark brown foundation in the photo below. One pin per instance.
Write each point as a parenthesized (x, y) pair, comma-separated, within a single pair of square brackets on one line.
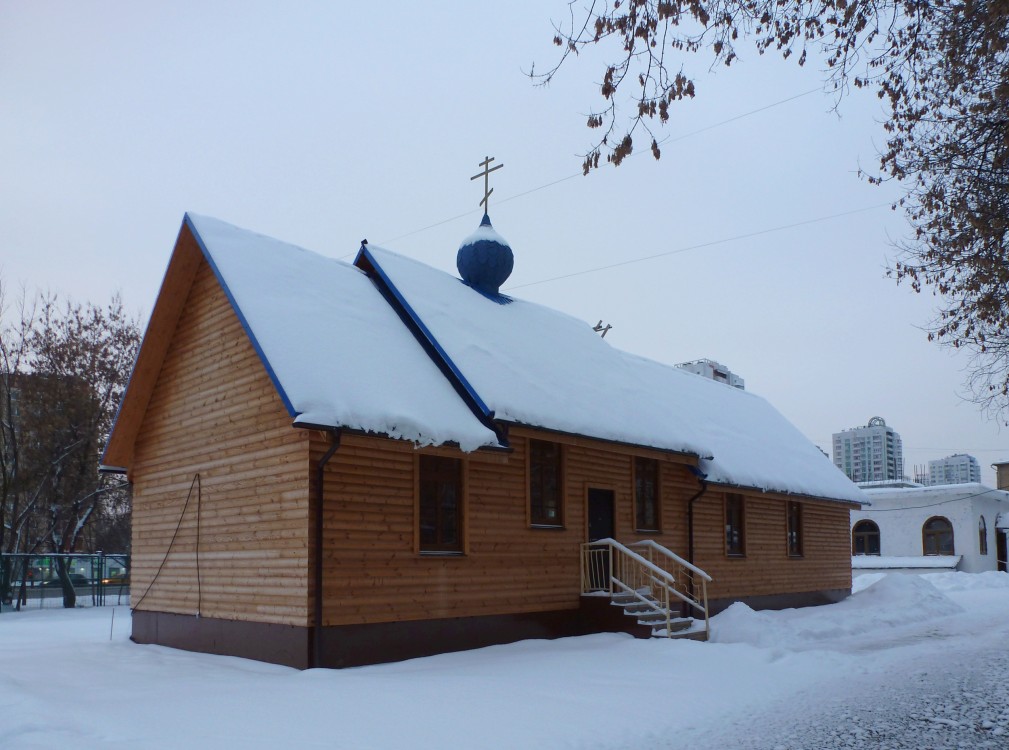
[(358, 645)]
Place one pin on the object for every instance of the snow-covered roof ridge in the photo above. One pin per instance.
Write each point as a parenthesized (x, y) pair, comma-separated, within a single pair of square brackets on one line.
[(305, 312), (535, 366)]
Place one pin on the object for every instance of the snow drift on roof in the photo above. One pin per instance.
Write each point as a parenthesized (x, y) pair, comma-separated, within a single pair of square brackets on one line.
[(936, 492), (535, 366), (339, 354)]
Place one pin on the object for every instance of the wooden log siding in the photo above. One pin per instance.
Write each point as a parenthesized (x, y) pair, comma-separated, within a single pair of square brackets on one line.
[(215, 411), (766, 568), (374, 571)]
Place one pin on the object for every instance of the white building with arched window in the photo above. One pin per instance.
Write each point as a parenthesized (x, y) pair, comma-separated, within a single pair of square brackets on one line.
[(952, 527)]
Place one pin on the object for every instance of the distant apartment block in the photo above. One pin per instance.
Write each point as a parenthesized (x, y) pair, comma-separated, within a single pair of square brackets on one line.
[(707, 368), (873, 453), (956, 469)]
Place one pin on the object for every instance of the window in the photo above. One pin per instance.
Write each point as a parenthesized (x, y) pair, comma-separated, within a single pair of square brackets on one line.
[(440, 514), (735, 539), (937, 536), (646, 494), (794, 513), (865, 538), (982, 536), (545, 485)]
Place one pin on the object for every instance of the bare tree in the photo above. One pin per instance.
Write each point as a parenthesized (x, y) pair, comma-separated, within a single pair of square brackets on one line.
[(74, 361), (941, 67)]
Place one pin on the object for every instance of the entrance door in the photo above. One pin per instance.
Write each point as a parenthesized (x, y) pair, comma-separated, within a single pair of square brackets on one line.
[(601, 504), (1001, 554), (600, 514)]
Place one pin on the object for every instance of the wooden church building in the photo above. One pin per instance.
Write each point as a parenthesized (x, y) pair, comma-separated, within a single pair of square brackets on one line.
[(338, 464)]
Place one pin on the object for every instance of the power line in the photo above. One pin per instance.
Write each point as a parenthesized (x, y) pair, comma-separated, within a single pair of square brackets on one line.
[(669, 139), (700, 245)]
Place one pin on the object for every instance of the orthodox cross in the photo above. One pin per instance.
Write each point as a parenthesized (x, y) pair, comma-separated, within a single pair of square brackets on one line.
[(487, 189)]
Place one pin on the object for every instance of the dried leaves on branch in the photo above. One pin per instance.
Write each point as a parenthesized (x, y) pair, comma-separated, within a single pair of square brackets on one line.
[(941, 68)]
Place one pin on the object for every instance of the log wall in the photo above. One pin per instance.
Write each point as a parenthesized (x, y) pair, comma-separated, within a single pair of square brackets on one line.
[(376, 573), (214, 411), (766, 568)]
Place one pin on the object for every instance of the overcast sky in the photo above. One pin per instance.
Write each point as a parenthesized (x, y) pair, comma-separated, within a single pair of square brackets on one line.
[(323, 126)]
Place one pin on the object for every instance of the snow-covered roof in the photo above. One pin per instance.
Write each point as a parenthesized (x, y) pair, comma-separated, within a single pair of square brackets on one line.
[(338, 353), (534, 366), (898, 496)]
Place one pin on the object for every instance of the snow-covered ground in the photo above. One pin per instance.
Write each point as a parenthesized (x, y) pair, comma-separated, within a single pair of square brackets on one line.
[(908, 661)]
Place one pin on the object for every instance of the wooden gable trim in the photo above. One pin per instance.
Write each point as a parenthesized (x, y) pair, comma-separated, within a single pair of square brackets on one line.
[(189, 254), (182, 267)]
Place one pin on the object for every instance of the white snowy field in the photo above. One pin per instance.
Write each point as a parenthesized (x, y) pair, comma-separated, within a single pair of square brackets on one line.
[(64, 683)]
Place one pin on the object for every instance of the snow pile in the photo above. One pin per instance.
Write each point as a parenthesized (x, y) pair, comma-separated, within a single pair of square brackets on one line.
[(955, 581), (71, 678), (891, 601)]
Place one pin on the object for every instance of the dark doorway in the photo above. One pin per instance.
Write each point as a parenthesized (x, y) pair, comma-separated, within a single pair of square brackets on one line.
[(601, 503), (1000, 549)]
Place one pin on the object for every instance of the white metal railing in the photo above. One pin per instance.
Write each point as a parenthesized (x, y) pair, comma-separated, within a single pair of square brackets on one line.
[(653, 575)]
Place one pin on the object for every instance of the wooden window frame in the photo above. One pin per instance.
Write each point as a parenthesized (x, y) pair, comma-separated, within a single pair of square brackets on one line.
[(425, 463), (735, 518), (793, 528), (982, 536), (927, 534), (865, 536), (540, 520), (639, 501)]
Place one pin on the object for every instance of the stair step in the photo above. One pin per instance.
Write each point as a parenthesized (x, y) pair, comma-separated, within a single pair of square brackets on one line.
[(683, 635), (638, 607), (625, 600), (676, 625), (648, 616)]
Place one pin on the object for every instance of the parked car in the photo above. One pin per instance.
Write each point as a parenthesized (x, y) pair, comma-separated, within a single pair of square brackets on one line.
[(77, 579)]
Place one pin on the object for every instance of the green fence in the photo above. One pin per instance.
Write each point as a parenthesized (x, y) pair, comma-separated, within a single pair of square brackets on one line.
[(89, 580)]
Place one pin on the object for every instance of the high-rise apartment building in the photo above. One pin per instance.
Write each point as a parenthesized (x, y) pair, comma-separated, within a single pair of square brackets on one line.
[(956, 469), (873, 453)]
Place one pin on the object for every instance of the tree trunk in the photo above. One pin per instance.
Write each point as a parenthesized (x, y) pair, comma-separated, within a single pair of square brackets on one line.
[(69, 595)]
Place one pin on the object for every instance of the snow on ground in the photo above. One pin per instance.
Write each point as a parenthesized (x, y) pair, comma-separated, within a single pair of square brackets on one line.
[(916, 657)]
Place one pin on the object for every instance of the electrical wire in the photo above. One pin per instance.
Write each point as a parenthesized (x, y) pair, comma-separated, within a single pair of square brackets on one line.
[(700, 245), (199, 491), (669, 139)]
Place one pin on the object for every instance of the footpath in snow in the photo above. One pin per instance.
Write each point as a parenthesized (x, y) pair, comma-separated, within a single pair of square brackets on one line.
[(907, 662)]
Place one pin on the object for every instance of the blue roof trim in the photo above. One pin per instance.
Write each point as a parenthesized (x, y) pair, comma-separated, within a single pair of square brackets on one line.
[(291, 411), (430, 342)]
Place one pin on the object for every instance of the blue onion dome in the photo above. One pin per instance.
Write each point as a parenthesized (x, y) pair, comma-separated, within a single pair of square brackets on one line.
[(485, 259)]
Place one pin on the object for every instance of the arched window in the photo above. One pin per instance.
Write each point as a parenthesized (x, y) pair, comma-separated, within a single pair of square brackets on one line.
[(865, 538), (982, 536), (937, 536)]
